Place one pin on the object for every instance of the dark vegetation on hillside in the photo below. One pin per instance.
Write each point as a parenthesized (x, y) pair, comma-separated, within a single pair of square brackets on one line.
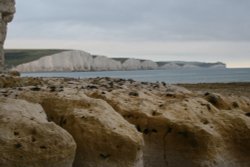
[(122, 60), (14, 57)]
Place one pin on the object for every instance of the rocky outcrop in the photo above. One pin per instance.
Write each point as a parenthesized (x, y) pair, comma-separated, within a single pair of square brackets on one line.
[(103, 137), (7, 10), (181, 128), (28, 139), (118, 122), (82, 61)]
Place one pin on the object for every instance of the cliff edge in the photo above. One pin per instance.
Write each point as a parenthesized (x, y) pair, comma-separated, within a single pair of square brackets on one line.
[(74, 60)]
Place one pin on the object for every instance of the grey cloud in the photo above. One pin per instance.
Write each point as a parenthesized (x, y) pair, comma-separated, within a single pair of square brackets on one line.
[(134, 19)]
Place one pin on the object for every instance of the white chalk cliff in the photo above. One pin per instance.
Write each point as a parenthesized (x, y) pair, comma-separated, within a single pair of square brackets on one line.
[(188, 65), (83, 61)]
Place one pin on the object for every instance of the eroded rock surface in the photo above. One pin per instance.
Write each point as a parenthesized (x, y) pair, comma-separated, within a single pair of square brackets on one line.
[(28, 139), (7, 10), (183, 128), (103, 137), (108, 117)]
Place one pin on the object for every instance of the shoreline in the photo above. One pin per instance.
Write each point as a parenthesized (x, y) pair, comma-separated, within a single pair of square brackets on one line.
[(168, 76), (226, 89)]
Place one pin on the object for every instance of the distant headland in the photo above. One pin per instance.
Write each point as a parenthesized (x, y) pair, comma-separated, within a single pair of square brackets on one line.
[(76, 60)]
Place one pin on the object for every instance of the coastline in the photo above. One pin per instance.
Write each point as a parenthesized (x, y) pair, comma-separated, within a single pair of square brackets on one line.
[(173, 76), (227, 89)]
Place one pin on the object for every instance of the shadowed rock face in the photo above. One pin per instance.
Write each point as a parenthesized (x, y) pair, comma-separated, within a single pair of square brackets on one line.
[(7, 10)]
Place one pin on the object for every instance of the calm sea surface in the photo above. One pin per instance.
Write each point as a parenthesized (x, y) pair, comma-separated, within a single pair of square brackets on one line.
[(169, 76)]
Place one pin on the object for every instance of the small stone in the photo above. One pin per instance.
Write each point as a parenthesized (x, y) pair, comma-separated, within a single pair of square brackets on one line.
[(133, 94), (35, 88), (248, 114)]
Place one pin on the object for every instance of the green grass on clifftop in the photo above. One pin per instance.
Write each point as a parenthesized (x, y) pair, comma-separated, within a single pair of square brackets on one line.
[(14, 57)]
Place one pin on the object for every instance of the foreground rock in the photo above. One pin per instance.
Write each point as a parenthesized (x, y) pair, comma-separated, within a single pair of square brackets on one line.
[(108, 118), (103, 137), (28, 139), (7, 10), (181, 128)]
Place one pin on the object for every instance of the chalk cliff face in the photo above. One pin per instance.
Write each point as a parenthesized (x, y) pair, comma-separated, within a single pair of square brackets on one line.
[(135, 64), (65, 61), (83, 61), (102, 63), (7, 10), (185, 65), (148, 65)]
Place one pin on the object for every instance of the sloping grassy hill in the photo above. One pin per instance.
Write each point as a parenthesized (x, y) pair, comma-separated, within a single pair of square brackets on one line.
[(14, 57)]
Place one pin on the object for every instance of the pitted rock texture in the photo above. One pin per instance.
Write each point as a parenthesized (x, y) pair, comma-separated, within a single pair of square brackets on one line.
[(179, 127), (7, 10), (103, 137), (183, 128), (28, 139)]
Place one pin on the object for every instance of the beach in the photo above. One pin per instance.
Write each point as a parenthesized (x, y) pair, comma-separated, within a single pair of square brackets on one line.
[(227, 89)]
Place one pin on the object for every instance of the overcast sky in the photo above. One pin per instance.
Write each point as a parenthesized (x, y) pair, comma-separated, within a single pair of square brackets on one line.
[(190, 30)]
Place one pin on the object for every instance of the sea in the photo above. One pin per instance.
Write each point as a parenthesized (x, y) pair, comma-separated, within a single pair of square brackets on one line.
[(172, 76)]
